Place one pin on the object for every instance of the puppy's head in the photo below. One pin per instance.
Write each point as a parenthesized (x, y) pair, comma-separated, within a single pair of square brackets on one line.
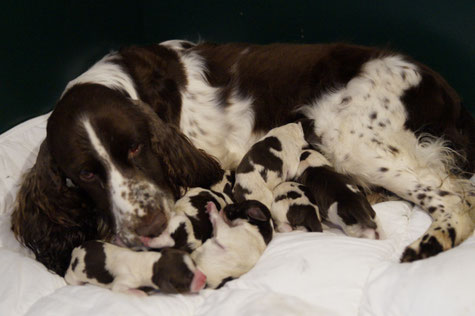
[(255, 213), (175, 272)]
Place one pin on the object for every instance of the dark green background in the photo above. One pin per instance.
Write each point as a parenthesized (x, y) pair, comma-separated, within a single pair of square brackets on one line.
[(47, 43)]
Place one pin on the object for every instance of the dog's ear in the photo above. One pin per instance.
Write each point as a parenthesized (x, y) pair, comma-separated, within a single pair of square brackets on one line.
[(51, 218), (159, 74), (185, 165)]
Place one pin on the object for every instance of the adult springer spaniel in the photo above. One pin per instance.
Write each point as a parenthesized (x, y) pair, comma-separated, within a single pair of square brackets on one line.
[(144, 122)]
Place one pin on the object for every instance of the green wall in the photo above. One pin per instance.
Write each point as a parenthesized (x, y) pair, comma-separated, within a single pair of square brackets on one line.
[(46, 44)]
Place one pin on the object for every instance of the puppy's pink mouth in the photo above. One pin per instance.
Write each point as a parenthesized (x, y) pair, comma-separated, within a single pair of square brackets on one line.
[(199, 281)]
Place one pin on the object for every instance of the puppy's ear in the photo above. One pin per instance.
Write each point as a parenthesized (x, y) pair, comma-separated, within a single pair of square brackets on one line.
[(186, 165), (52, 218), (257, 213)]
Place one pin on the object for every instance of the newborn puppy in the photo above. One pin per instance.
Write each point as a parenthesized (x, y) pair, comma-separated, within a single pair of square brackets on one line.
[(270, 161), (240, 234), (340, 201), (293, 208), (124, 270), (189, 227)]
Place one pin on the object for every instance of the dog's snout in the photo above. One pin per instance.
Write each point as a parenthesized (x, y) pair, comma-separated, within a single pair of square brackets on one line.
[(152, 225)]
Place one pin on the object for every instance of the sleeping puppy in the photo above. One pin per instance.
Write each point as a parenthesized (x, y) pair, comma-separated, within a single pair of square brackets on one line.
[(293, 208), (189, 227), (340, 201), (240, 234), (124, 270), (270, 161)]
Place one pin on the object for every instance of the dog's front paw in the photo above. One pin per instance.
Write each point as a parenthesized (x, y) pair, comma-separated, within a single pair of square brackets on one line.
[(424, 247)]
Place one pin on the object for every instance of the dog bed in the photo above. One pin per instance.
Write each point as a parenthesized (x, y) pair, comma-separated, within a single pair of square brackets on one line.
[(299, 273)]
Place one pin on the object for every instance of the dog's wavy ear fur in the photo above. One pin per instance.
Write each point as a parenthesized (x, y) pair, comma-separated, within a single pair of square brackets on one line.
[(186, 165), (51, 218)]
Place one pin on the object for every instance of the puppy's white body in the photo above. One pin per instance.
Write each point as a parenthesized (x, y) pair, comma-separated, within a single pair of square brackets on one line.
[(124, 270), (129, 269)]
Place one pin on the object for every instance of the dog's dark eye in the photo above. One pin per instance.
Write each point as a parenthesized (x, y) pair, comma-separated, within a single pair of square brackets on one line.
[(134, 149), (86, 175)]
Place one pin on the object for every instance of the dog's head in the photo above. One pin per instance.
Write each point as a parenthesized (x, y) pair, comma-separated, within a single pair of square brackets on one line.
[(108, 161)]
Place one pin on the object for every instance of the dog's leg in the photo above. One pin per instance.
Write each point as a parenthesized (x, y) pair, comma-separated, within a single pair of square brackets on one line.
[(445, 201), (418, 171)]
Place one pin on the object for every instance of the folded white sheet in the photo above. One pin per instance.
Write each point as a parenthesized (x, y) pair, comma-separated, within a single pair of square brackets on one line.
[(299, 273)]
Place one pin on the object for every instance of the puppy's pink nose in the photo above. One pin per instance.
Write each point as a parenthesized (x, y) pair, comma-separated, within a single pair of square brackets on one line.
[(145, 241), (199, 281)]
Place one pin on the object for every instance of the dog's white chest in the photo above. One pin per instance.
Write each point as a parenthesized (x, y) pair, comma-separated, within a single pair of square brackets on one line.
[(222, 130)]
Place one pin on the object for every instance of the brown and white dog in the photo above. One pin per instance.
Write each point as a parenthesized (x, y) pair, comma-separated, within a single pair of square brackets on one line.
[(145, 121), (124, 270)]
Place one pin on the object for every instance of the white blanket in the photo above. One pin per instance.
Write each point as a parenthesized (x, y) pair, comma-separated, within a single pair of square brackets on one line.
[(299, 273)]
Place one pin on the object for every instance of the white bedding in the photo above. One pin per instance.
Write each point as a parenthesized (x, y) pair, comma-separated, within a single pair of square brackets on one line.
[(299, 273)]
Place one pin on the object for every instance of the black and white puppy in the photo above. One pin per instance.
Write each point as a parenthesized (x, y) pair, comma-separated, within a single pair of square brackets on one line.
[(280, 156), (124, 270), (189, 226), (340, 201), (271, 161), (294, 208), (241, 233)]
